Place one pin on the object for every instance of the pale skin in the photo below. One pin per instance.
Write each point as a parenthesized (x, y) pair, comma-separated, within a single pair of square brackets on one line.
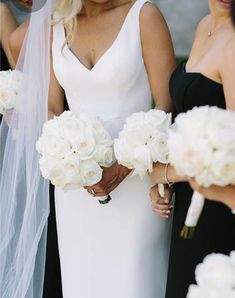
[(213, 57), (96, 32)]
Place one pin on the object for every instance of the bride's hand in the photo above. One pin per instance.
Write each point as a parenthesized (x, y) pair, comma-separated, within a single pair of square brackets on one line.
[(111, 178)]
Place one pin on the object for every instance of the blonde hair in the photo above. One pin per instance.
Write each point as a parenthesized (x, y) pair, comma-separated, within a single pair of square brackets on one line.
[(66, 12)]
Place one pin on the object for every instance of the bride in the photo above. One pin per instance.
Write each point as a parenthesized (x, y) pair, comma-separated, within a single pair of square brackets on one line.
[(110, 58)]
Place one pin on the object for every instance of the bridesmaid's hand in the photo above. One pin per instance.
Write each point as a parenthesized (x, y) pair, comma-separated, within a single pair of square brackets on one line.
[(224, 195), (111, 178), (162, 206), (158, 174)]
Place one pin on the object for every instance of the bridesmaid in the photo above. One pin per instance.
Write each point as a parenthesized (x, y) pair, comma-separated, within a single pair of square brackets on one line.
[(207, 78), (226, 194)]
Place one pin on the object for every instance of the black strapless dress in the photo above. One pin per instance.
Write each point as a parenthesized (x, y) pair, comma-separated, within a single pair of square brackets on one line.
[(215, 231)]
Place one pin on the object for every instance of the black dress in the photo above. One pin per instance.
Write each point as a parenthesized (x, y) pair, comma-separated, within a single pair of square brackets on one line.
[(215, 231)]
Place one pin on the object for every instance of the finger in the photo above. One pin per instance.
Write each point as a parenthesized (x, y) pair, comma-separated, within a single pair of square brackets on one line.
[(162, 207), (164, 214)]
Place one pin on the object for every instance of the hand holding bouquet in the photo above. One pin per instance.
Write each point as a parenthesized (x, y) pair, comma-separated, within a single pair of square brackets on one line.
[(143, 141), (73, 149), (201, 146)]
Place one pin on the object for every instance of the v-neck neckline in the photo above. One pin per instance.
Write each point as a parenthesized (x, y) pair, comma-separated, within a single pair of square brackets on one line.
[(102, 57)]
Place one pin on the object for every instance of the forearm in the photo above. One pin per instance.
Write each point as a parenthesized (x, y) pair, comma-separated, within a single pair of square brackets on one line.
[(227, 196), (163, 174)]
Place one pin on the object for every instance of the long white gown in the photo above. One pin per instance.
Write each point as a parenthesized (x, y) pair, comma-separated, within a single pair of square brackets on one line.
[(118, 250)]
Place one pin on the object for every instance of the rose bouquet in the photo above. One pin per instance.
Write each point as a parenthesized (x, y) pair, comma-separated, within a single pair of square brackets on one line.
[(215, 277), (143, 141), (73, 149), (10, 82), (201, 145)]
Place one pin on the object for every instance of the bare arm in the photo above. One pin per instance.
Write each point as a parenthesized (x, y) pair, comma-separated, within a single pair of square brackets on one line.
[(225, 195), (7, 26), (56, 95), (228, 74), (158, 54), (16, 40)]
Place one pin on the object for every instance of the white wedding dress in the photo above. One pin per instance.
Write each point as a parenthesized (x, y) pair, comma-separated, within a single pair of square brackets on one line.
[(118, 250)]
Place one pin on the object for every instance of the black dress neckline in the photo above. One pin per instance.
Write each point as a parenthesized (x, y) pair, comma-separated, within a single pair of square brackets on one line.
[(183, 67), (213, 232)]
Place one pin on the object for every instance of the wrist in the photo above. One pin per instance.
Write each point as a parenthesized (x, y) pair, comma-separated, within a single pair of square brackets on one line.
[(173, 177), (229, 202), (123, 171)]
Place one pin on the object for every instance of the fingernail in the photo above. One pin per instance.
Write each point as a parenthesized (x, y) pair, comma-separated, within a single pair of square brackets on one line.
[(168, 212), (171, 206), (166, 201)]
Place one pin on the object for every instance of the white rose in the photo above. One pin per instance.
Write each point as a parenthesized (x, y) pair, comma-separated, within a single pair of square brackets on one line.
[(53, 146), (123, 153), (84, 143), (159, 148), (157, 119), (207, 292), (91, 172), (193, 122), (135, 136), (51, 168), (103, 155), (7, 98), (217, 270), (204, 178), (71, 169), (142, 161), (51, 127), (189, 156), (220, 138), (70, 125), (223, 167)]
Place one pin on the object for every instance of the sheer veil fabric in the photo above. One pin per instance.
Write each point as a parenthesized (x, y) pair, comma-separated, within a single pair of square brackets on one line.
[(24, 195)]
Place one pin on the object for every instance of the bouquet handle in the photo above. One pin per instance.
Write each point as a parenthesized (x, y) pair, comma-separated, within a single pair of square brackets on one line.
[(161, 190), (105, 200), (194, 212)]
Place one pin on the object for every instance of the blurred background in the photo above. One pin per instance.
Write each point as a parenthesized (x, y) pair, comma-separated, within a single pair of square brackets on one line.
[(182, 17)]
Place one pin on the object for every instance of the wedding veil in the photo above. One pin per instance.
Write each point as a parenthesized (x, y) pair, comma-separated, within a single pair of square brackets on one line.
[(24, 194)]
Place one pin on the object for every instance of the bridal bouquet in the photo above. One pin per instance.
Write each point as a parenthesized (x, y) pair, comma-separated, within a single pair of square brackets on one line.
[(215, 277), (143, 141), (201, 145), (10, 82), (73, 149)]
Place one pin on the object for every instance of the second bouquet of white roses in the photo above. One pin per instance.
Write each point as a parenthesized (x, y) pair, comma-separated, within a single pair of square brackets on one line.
[(73, 149), (201, 146)]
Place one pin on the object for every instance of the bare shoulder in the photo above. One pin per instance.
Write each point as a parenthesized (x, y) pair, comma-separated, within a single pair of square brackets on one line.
[(203, 25), (152, 18), (16, 39)]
